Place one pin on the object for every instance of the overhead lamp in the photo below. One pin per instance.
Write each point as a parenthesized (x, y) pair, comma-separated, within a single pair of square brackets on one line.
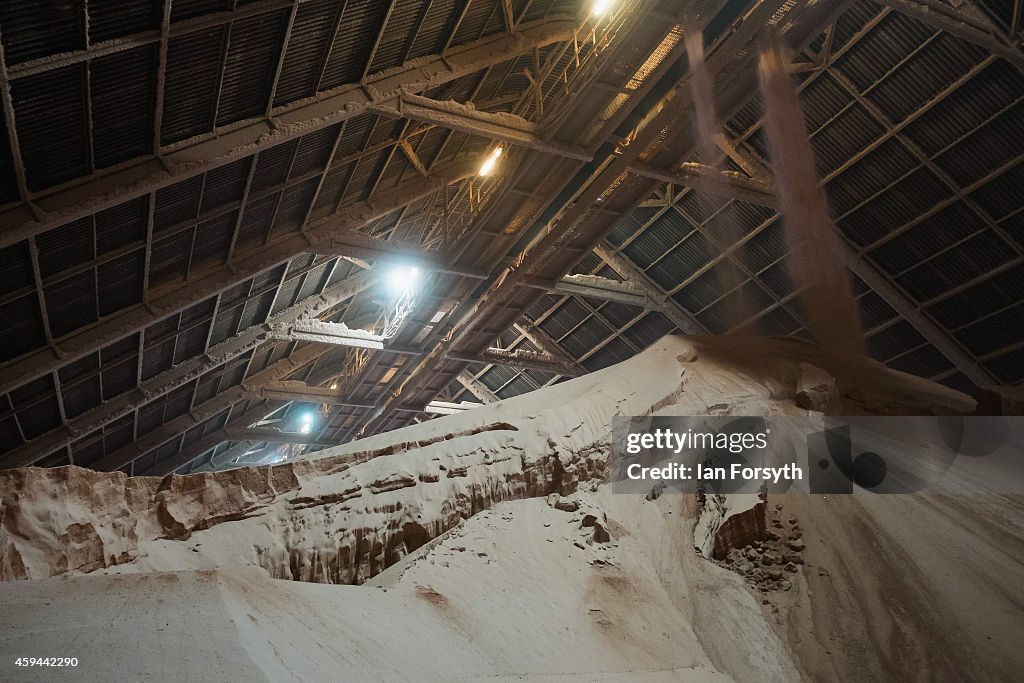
[(601, 7), (307, 423), (491, 162), (403, 279)]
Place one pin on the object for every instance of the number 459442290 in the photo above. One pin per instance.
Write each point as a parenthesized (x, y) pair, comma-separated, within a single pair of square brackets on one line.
[(46, 661)]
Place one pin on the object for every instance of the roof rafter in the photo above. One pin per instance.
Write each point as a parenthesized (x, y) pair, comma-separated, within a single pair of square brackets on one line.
[(291, 390), (476, 387), (190, 158), (972, 27), (516, 130), (526, 360), (679, 316), (541, 340)]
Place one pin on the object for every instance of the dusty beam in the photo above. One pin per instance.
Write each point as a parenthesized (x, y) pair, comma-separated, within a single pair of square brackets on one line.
[(465, 118), (516, 130), (212, 440), (262, 434), (289, 390), (320, 332), (257, 434), (721, 183), (680, 317), (913, 314), (447, 408), (524, 360), (376, 249), (476, 387), (596, 287), (228, 456), (542, 340)]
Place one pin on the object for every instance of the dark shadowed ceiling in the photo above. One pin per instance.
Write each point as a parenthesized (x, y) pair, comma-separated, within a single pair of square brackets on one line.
[(189, 189)]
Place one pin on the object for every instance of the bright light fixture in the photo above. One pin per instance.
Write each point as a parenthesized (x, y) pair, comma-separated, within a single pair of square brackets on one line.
[(491, 162), (402, 280), (601, 7), (307, 423)]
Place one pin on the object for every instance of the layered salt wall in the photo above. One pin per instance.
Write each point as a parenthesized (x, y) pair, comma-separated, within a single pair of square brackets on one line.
[(349, 512)]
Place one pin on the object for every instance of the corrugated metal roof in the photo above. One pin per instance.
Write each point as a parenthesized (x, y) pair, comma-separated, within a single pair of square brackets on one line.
[(311, 37), (191, 83)]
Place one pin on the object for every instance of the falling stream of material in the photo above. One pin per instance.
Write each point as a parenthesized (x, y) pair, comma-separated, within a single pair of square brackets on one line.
[(736, 311), (816, 267)]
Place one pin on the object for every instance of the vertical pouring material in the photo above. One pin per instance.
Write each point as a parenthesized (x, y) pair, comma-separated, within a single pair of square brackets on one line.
[(701, 87), (816, 267), (736, 310)]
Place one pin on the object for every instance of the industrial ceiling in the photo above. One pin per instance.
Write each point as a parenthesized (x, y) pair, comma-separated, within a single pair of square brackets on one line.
[(204, 205)]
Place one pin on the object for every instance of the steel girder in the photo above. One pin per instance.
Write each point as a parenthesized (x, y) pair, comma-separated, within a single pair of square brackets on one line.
[(525, 360), (972, 27), (291, 390), (516, 130), (320, 332), (668, 307), (476, 387)]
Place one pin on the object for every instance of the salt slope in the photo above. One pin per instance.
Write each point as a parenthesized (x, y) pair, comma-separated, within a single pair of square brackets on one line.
[(516, 592), (905, 587), (349, 512)]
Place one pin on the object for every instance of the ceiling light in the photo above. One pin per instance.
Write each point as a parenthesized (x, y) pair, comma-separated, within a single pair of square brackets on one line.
[(491, 162), (601, 7), (402, 279)]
